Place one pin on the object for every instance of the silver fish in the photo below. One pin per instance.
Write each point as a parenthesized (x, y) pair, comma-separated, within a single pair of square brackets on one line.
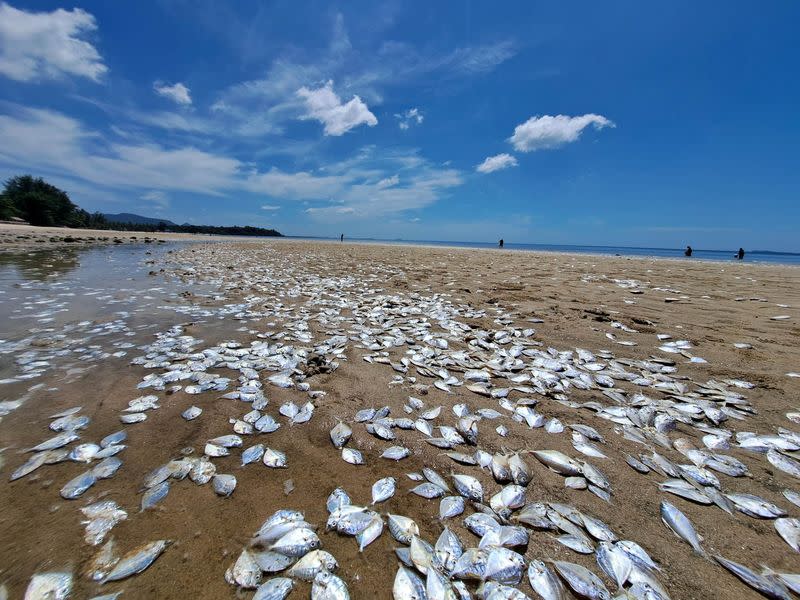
[(252, 454), (272, 562), (192, 413), (33, 463), (274, 459), (352, 456), (754, 580), (544, 582), (383, 489), (614, 562), (558, 462), (448, 550), (112, 439), (131, 418), (76, 487), (789, 530), (402, 528), (468, 486), (62, 439), (49, 586), (451, 506), (137, 560), (297, 542), (582, 581), (428, 490), (223, 484), (245, 572), (370, 533), (784, 463), (396, 453), (408, 586), (312, 563), (277, 588), (327, 586), (340, 434), (680, 525), (755, 506), (107, 468), (155, 494), (504, 566)]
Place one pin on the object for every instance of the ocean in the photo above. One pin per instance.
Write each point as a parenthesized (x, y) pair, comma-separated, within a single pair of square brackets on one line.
[(752, 256)]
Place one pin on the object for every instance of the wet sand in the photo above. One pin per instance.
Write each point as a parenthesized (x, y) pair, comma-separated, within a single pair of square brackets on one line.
[(713, 305)]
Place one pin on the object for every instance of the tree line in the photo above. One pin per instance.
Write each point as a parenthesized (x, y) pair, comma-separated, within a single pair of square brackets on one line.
[(39, 203)]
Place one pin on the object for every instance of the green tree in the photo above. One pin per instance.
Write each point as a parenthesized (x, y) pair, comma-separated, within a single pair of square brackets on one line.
[(40, 203)]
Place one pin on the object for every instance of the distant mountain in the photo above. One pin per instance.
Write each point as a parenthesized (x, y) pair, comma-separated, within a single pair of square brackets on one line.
[(136, 219)]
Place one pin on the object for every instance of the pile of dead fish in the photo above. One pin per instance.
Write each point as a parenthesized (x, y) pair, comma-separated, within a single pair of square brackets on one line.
[(286, 543)]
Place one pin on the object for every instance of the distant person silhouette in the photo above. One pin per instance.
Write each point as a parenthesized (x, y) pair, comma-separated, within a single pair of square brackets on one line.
[(740, 254), (501, 243), (688, 251), (341, 238)]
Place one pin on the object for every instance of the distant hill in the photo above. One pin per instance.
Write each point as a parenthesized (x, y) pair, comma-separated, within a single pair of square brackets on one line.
[(136, 219)]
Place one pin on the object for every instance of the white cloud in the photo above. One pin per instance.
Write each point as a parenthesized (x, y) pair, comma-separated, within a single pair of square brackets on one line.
[(496, 163), (325, 106), (388, 182), (372, 183), (178, 92), (540, 133), (47, 45), (412, 116), (270, 207), (157, 197)]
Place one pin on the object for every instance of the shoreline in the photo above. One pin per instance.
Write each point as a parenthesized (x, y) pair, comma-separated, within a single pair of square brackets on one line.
[(39, 238)]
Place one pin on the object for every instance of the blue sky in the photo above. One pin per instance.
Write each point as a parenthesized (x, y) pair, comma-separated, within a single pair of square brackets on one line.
[(621, 123)]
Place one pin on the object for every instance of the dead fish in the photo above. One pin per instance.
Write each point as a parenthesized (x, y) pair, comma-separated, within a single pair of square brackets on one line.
[(84, 452), (277, 588), (435, 478), (757, 582), (102, 562), (76, 487), (784, 463), (274, 459), (614, 562), (192, 413), (62, 439), (755, 506), (504, 566), (113, 439), (131, 418), (383, 489), (558, 462), (252, 454), (352, 456), (789, 530), (408, 586), (451, 506), (316, 561), (202, 471), (327, 586), (402, 528), (245, 572), (396, 453), (154, 495), (296, 542), (428, 490), (544, 582), (469, 487), (370, 533), (223, 484), (340, 434), (49, 586), (680, 525), (137, 560), (582, 581), (33, 463)]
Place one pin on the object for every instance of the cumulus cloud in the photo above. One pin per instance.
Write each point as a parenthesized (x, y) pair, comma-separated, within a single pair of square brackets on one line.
[(326, 107), (373, 183), (412, 116), (47, 45), (540, 133), (178, 92), (497, 162)]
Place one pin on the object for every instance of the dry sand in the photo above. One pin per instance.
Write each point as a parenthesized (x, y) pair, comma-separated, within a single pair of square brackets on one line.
[(576, 296)]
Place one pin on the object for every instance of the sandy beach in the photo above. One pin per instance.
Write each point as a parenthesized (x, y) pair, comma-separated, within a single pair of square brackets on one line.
[(304, 294)]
